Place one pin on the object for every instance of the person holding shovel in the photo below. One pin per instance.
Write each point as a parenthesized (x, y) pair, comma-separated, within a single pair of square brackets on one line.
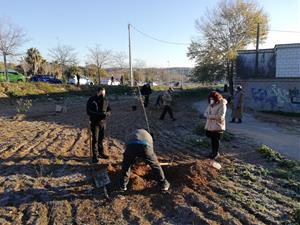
[(98, 110), (215, 121), (140, 145)]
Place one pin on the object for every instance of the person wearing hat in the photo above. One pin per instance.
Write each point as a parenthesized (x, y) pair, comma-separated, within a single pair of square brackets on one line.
[(167, 100), (98, 110), (140, 145), (237, 108)]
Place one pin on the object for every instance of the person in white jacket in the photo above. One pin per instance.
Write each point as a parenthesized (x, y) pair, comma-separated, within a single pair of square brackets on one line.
[(215, 121)]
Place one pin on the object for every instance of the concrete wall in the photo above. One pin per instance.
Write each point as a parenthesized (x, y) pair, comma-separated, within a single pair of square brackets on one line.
[(272, 94), (283, 62), (288, 60), (245, 64)]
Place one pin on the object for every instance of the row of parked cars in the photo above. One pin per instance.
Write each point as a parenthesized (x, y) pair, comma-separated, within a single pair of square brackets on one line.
[(15, 76)]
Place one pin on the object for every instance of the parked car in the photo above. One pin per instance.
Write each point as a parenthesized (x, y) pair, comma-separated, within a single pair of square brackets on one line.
[(45, 78), (82, 81), (13, 76), (108, 82)]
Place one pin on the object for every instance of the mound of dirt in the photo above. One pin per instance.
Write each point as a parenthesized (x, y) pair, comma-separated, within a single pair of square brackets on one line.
[(196, 173), (185, 174)]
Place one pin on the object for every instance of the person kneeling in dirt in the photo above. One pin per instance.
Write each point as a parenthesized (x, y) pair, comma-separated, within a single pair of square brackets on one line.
[(215, 121), (98, 109), (140, 144)]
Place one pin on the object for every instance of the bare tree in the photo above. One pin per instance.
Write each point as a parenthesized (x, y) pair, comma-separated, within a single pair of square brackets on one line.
[(99, 57), (139, 63), (120, 60), (63, 55), (24, 65), (11, 38)]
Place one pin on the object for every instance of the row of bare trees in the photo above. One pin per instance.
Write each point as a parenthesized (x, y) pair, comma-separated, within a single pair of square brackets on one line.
[(63, 58)]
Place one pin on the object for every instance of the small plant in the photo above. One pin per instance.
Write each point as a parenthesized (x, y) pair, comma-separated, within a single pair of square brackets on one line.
[(270, 154), (297, 215), (199, 129), (23, 105), (227, 136)]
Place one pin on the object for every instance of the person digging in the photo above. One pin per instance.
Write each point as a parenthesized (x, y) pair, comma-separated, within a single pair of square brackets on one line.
[(98, 110), (140, 145)]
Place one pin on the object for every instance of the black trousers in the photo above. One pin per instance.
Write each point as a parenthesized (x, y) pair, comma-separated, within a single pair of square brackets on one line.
[(215, 137), (146, 100), (146, 153), (98, 130), (167, 109)]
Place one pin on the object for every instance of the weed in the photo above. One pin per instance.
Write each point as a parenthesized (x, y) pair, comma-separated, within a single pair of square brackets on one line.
[(199, 129), (270, 154), (227, 136), (23, 105), (297, 215), (200, 142)]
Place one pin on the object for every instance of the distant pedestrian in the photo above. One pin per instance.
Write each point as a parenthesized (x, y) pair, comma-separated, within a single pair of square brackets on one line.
[(78, 79), (112, 80), (167, 100), (215, 121), (122, 80), (98, 110), (140, 145), (146, 92), (238, 104)]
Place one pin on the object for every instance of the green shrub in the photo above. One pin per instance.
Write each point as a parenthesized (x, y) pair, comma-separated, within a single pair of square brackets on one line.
[(297, 215), (270, 154)]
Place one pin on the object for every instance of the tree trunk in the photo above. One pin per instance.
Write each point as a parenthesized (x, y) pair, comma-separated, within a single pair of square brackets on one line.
[(231, 77), (34, 68), (98, 75), (5, 67)]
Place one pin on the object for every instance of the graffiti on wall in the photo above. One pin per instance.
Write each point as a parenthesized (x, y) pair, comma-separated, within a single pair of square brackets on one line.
[(294, 94), (276, 98)]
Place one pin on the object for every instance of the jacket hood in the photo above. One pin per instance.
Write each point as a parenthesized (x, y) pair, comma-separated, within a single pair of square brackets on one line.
[(223, 101)]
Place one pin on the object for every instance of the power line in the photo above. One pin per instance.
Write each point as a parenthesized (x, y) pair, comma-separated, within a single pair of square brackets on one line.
[(286, 31), (157, 39)]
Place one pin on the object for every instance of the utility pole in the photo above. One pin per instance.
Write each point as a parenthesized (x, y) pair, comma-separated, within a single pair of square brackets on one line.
[(257, 46), (130, 66)]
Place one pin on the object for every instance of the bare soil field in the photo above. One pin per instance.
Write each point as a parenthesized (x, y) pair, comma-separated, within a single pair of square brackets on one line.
[(46, 175)]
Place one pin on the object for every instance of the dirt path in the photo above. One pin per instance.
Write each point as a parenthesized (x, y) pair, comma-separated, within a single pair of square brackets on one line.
[(286, 141), (45, 174)]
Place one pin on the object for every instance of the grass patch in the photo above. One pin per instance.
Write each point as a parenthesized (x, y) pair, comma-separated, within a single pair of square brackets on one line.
[(287, 169), (280, 113), (199, 93), (270, 154), (297, 215), (199, 130), (34, 90)]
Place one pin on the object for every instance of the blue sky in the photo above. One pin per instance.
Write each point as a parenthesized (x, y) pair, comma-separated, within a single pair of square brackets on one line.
[(82, 24)]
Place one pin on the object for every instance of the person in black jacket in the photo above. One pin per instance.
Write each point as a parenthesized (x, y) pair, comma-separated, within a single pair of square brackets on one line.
[(146, 92), (98, 110)]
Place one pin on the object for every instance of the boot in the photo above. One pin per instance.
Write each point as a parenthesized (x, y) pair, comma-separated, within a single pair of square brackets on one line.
[(101, 153), (214, 155), (240, 121), (232, 121), (94, 160)]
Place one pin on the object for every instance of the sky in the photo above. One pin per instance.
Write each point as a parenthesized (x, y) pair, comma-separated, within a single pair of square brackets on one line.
[(84, 23)]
